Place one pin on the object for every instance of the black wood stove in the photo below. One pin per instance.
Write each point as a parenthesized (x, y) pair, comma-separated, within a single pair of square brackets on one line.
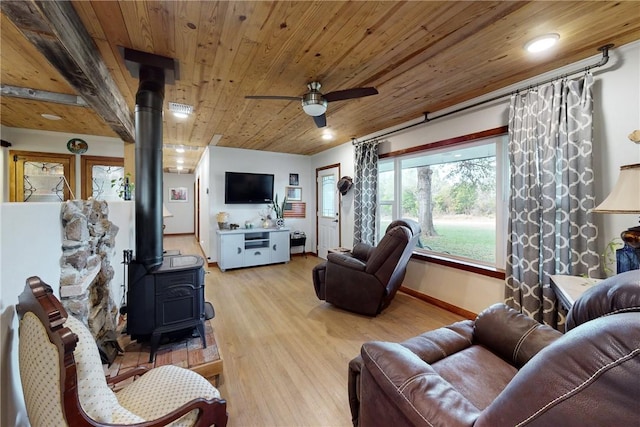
[(170, 298), (165, 294)]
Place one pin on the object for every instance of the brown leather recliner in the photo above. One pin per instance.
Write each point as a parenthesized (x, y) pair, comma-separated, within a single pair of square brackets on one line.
[(505, 369), (366, 279)]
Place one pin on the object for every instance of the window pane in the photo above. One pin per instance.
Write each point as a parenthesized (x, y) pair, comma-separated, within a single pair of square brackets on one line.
[(385, 216), (328, 196), (43, 182), (452, 194), (101, 182)]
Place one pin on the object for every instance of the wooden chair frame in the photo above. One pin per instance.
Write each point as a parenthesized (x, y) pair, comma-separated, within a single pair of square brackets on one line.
[(38, 298)]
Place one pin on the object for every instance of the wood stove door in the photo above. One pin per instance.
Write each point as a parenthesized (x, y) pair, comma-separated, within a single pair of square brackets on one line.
[(179, 299)]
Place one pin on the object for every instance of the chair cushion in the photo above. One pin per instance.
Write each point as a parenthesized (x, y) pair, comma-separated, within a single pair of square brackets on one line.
[(164, 389), (96, 398), (39, 373)]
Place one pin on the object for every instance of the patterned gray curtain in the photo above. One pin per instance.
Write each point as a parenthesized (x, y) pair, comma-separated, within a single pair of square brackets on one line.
[(365, 192), (552, 192)]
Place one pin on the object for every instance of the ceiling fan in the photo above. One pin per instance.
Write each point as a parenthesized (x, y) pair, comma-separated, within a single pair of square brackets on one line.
[(314, 103)]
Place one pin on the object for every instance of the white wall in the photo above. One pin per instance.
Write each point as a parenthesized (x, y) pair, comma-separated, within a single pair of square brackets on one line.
[(182, 221), (31, 245), (223, 159), (616, 114)]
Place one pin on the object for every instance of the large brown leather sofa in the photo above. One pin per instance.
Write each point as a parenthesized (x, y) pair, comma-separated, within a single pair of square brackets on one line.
[(366, 279), (505, 369)]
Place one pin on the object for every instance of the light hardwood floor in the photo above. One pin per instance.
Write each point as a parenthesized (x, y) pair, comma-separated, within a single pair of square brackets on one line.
[(285, 352)]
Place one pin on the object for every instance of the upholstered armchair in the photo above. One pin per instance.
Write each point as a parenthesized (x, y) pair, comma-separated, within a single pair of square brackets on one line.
[(64, 383), (366, 279), (506, 369)]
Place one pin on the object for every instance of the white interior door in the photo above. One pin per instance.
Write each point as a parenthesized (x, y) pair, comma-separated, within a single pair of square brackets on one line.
[(328, 215)]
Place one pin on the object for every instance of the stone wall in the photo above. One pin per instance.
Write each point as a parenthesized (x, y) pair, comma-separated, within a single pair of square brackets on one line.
[(88, 247)]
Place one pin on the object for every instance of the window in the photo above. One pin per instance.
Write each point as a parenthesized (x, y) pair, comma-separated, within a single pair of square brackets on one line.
[(328, 196), (41, 177), (98, 173), (457, 191)]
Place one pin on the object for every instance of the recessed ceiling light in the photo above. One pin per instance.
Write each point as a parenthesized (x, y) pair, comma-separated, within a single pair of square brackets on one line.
[(327, 135), (51, 116), (540, 43), (179, 167), (180, 149), (180, 161)]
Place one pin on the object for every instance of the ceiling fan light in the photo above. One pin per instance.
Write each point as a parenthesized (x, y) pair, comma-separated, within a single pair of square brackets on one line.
[(314, 104), (540, 43), (314, 109)]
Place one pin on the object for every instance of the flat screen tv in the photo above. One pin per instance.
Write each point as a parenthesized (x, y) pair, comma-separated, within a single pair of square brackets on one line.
[(248, 188)]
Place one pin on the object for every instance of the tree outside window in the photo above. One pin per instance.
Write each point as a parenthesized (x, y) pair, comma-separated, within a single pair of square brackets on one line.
[(455, 196)]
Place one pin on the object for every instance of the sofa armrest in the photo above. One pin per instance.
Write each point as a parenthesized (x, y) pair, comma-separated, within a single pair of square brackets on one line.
[(512, 335), (353, 388), (400, 388), (437, 344), (346, 260), (430, 346)]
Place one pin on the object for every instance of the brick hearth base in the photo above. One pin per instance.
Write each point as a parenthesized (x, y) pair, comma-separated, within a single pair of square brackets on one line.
[(186, 352)]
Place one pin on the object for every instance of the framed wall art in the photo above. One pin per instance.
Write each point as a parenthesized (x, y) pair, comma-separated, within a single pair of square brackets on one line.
[(294, 179), (294, 193), (178, 194)]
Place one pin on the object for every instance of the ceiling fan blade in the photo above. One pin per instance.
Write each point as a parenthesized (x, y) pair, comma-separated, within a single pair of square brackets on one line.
[(321, 121), (357, 92), (288, 98)]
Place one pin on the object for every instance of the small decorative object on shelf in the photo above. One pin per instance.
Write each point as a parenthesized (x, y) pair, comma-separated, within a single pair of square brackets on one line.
[(627, 258), (223, 220), (127, 189)]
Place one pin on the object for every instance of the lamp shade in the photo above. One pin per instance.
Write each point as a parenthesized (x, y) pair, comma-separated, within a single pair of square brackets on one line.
[(625, 196)]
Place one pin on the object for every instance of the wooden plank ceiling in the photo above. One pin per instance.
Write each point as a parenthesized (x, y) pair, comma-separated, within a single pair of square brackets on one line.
[(421, 56)]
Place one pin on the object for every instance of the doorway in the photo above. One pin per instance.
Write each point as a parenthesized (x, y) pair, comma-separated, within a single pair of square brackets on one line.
[(328, 203), (41, 177), (101, 177)]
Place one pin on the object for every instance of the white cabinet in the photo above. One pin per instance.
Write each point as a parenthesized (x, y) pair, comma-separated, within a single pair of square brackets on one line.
[(231, 250), (251, 247), (279, 247)]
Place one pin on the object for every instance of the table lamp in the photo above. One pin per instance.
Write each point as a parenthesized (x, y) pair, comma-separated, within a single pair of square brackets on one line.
[(625, 199)]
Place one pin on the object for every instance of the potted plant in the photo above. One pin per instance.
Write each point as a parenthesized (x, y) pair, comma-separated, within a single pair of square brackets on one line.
[(124, 186), (278, 209)]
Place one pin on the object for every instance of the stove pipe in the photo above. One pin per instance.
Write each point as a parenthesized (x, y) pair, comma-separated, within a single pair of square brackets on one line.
[(148, 197)]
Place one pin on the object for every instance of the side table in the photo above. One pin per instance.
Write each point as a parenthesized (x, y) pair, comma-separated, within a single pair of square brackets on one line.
[(569, 288), (299, 240)]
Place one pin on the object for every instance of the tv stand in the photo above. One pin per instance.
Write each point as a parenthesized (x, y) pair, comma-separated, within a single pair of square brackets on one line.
[(248, 247)]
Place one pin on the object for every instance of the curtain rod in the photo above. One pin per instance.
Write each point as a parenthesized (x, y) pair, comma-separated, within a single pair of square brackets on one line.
[(605, 58)]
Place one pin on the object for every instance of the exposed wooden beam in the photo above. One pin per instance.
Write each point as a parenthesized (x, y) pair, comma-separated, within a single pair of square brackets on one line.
[(56, 30)]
